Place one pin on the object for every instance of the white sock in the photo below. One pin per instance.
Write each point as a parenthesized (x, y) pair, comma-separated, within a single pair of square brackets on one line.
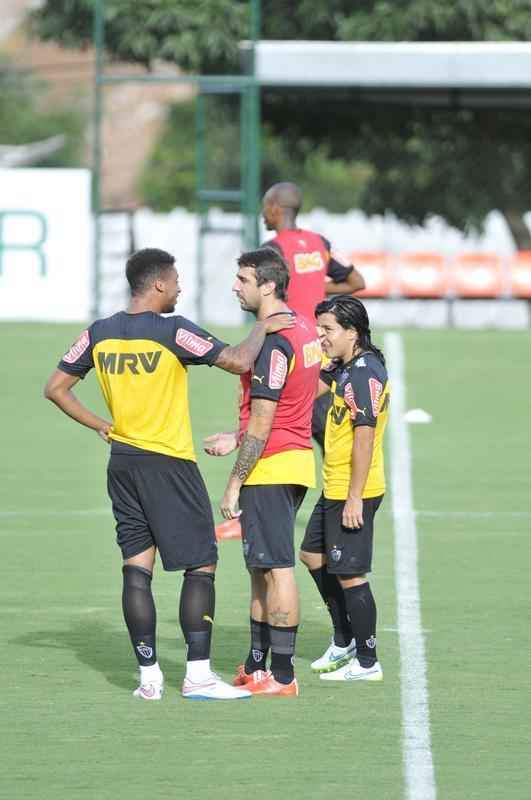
[(151, 674), (198, 671)]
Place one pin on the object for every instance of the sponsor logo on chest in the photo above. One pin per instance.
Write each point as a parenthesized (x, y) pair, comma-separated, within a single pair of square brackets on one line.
[(308, 262), (134, 363)]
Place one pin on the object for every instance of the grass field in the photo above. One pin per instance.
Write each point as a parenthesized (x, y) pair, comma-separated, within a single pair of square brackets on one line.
[(71, 728)]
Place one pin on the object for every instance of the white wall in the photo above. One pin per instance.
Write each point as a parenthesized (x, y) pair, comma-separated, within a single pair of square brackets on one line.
[(177, 232), (45, 244)]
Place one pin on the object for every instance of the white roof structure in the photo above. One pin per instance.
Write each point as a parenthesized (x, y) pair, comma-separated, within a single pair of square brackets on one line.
[(497, 66)]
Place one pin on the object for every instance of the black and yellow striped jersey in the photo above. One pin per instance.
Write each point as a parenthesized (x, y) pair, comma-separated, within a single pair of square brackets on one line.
[(141, 364), (360, 396)]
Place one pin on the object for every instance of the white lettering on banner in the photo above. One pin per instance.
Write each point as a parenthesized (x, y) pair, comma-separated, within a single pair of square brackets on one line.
[(78, 348), (192, 342), (278, 369)]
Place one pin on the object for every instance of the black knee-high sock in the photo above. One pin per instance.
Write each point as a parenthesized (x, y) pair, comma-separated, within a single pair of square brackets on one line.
[(139, 613), (334, 599), (361, 609), (260, 644), (196, 613), (283, 652)]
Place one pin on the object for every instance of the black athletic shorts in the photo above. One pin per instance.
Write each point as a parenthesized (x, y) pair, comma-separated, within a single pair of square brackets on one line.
[(348, 550), (162, 502), (268, 523)]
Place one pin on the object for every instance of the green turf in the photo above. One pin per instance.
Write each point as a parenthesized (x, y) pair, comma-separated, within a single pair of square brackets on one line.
[(71, 727), (475, 457)]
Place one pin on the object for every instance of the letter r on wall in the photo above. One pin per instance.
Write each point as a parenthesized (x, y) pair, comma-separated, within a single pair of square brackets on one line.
[(35, 244)]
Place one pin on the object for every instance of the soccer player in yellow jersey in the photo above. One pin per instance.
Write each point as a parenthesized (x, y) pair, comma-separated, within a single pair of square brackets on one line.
[(338, 543), (158, 496)]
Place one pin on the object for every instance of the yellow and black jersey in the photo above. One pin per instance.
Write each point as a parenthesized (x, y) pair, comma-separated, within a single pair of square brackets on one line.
[(360, 396), (141, 363)]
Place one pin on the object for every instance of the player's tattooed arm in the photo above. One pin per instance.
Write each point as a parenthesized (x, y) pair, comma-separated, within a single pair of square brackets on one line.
[(251, 448), (241, 357)]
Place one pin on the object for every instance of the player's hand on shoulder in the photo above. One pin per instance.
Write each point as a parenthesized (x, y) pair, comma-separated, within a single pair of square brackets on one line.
[(279, 322), (221, 444)]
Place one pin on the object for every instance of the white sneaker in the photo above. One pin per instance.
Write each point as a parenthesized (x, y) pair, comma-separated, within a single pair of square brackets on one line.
[(150, 691), (353, 671), (334, 658), (213, 688)]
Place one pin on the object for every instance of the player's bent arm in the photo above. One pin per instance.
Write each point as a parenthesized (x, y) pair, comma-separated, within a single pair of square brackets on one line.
[(362, 450), (241, 357), (59, 390), (254, 439), (354, 282), (322, 388)]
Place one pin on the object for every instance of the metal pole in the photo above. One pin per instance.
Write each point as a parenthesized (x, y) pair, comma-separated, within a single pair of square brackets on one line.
[(252, 145), (202, 207), (99, 35)]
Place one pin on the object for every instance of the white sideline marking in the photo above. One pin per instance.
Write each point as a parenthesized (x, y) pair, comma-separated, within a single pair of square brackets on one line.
[(70, 512), (419, 775)]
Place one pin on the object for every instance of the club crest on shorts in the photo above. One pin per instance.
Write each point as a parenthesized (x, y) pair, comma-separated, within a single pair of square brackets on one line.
[(144, 650), (335, 554), (257, 655), (371, 642)]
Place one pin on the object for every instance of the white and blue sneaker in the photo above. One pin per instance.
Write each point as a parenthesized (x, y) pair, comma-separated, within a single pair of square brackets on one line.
[(353, 671), (213, 688), (334, 658)]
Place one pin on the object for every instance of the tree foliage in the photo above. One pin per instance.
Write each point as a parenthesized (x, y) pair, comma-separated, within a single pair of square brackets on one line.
[(28, 117), (456, 163), (169, 180)]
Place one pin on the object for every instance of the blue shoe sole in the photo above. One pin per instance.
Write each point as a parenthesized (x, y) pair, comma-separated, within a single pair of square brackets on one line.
[(201, 697)]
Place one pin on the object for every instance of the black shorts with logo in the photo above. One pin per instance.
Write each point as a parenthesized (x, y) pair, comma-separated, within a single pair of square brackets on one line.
[(160, 501), (268, 523), (348, 550)]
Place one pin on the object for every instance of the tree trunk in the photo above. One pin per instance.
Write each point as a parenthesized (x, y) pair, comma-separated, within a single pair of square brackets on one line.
[(519, 230)]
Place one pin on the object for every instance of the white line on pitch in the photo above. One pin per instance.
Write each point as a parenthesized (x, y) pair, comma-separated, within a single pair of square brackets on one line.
[(69, 512), (417, 755)]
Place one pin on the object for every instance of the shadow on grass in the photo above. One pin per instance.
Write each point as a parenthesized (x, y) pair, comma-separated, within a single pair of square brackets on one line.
[(107, 650)]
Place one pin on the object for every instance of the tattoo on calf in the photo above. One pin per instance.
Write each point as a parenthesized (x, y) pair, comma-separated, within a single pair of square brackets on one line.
[(251, 449), (280, 617)]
